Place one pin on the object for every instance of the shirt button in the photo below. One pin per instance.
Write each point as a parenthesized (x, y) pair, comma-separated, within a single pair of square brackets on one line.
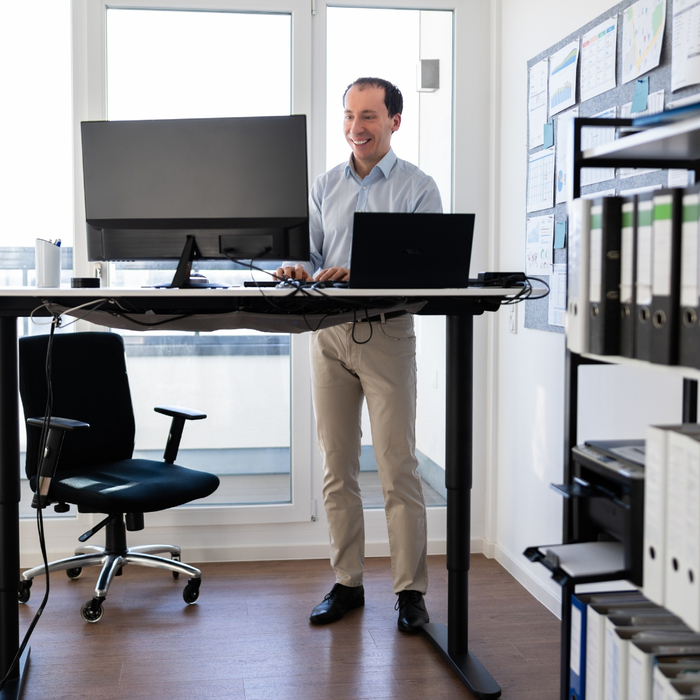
[(359, 211), (365, 187)]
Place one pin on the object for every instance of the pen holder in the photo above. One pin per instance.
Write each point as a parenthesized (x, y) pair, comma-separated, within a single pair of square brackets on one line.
[(48, 264)]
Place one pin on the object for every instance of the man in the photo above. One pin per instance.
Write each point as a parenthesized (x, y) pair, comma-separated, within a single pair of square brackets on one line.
[(373, 359)]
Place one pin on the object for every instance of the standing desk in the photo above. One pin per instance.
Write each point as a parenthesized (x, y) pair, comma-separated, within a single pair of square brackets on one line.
[(459, 305)]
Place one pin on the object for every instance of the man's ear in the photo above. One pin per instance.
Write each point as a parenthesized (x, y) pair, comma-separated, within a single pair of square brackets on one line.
[(395, 122)]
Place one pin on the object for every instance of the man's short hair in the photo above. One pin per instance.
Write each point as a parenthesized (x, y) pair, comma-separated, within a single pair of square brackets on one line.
[(393, 99)]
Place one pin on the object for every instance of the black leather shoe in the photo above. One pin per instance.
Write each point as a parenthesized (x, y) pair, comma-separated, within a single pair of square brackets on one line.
[(337, 603), (412, 612)]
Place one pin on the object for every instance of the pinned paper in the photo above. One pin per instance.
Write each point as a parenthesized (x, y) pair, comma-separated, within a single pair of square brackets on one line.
[(560, 234), (549, 133), (641, 94)]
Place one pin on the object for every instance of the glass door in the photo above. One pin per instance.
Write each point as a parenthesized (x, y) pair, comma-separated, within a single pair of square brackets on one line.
[(424, 139)]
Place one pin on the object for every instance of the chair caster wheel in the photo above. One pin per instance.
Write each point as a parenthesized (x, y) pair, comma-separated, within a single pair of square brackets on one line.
[(23, 592), (191, 592), (92, 611), (74, 573), (176, 574)]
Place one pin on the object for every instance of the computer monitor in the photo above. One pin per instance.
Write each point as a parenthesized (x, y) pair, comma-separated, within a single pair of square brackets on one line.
[(181, 189)]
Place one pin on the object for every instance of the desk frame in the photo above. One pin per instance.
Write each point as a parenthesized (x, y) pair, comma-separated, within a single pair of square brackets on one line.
[(460, 307)]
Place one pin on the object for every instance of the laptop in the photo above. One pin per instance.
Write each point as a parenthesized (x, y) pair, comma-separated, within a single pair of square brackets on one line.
[(411, 251)]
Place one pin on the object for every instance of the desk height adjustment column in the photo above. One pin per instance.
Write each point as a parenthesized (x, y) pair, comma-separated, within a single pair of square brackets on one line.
[(9, 512), (453, 641)]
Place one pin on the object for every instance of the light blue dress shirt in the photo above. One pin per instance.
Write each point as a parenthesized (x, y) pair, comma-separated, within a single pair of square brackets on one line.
[(393, 185)]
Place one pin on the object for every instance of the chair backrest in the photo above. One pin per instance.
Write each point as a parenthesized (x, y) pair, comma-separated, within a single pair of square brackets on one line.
[(90, 384)]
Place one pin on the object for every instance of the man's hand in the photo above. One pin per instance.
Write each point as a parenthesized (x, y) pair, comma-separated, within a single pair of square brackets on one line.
[(293, 273), (336, 274)]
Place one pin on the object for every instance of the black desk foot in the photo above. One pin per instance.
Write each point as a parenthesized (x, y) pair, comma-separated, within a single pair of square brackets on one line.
[(13, 688), (467, 667)]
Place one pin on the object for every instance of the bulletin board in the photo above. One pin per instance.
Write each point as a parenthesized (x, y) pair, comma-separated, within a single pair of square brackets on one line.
[(545, 247)]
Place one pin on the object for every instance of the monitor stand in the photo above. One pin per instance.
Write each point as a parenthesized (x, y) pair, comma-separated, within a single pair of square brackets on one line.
[(184, 278)]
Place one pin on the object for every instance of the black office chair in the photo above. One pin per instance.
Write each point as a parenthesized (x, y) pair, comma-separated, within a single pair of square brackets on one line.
[(88, 458)]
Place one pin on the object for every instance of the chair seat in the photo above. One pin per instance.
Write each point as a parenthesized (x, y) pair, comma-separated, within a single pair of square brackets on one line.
[(131, 486)]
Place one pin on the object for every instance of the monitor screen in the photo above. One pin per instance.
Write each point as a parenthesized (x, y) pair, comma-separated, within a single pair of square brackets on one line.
[(232, 188)]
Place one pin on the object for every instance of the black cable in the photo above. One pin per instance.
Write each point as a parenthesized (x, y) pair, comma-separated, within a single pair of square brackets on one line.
[(303, 288), (354, 325), (526, 292), (39, 511)]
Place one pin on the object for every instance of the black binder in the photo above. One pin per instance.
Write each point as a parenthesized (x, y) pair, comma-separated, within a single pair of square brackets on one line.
[(628, 275), (689, 326), (643, 283), (668, 211), (604, 279)]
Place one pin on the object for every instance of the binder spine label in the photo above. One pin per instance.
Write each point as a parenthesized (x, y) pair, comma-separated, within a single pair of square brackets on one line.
[(576, 627), (662, 245), (626, 261), (690, 252), (644, 253), (595, 284)]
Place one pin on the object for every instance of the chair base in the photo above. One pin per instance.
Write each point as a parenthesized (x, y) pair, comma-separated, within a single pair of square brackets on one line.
[(112, 562), (114, 556)]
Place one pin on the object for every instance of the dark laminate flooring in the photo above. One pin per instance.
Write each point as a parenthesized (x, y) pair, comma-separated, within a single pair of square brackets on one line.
[(248, 637)]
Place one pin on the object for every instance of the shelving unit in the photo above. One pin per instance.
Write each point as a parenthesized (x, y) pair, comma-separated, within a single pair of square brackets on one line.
[(665, 145)]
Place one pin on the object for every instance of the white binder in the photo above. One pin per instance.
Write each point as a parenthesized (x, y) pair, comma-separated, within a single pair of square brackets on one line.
[(666, 688), (655, 507), (599, 606), (644, 656), (617, 649), (681, 561), (576, 321)]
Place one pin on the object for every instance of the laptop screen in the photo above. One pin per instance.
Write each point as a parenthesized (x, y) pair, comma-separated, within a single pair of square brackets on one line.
[(411, 251)]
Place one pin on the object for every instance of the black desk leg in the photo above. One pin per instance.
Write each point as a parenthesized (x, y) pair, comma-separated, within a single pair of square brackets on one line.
[(9, 510), (453, 641)]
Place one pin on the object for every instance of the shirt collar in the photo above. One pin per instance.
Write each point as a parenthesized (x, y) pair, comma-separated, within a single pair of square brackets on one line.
[(385, 165)]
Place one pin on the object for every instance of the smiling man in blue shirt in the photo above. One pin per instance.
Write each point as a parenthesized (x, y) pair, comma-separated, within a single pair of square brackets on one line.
[(374, 360)]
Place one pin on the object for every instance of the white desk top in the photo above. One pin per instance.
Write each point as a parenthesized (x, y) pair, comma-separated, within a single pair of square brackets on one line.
[(239, 292), (266, 309)]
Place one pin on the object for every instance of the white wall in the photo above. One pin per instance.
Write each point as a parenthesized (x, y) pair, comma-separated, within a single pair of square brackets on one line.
[(529, 410)]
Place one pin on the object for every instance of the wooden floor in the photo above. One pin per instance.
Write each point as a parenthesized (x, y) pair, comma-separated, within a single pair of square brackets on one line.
[(248, 637)]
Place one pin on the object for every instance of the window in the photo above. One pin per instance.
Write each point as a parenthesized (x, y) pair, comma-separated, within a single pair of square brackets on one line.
[(165, 64), (36, 199)]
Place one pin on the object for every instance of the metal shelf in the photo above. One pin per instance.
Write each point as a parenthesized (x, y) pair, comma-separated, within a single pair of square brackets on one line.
[(678, 142)]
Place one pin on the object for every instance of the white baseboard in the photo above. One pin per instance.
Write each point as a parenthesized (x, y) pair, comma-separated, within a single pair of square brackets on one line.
[(264, 552)]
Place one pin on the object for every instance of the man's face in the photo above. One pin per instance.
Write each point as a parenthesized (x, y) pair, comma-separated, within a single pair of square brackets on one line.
[(368, 126)]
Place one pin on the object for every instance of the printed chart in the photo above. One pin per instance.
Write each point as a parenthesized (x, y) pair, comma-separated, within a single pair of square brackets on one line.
[(562, 78), (642, 36), (540, 180), (598, 51)]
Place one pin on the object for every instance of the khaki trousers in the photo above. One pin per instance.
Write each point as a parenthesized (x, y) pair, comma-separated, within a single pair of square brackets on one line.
[(375, 360)]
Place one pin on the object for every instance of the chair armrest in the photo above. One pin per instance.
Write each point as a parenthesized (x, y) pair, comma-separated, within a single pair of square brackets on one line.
[(179, 416), (51, 450), (58, 423), (176, 411)]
